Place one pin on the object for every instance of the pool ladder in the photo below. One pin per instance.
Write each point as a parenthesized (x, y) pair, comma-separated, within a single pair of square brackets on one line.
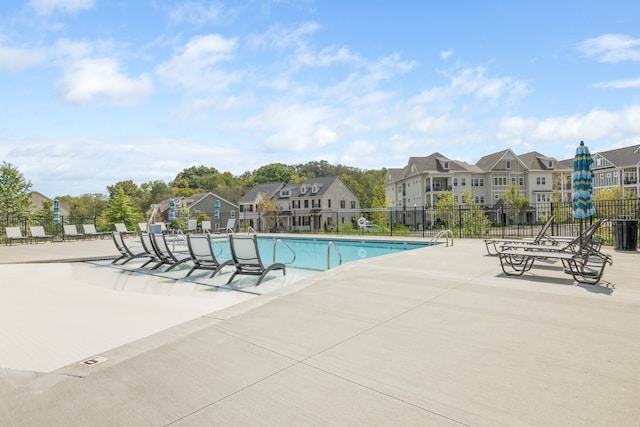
[(275, 245), (444, 233), (329, 246)]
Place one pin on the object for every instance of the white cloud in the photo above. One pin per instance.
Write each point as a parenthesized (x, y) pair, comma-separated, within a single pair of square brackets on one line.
[(15, 59), (89, 80), (595, 125), (194, 67), (612, 48), (446, 54), (619, 84), (46, 7), (197, 13), (279, 38)]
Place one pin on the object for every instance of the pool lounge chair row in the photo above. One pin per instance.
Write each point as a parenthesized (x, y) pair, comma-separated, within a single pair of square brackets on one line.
[(245, 259), (579, 257)]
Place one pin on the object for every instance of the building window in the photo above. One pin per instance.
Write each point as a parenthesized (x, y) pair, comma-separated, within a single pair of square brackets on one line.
[(353, 204), (540, 180), (343, 204), (455, 182), (329, 203), (508, 163), (306, 204), (463, 182), (285, 193), (232, 214)]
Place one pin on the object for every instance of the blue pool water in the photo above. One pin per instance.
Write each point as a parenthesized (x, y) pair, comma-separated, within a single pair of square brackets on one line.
[(312, 253)]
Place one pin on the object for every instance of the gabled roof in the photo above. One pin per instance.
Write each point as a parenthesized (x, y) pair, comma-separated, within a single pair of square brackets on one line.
[(322, 183), (393, 174), (621, 157), (537, 161), (271, 188), (487, 163), (190, 200)]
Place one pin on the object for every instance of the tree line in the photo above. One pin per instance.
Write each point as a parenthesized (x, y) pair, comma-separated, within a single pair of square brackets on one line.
[(128, 199)]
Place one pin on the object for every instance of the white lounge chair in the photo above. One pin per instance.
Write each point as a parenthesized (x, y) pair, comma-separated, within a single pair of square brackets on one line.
[(167, 257), (90, 231), (14, 233), (38, 233), (122, 228), (202, 255), (192, 226), (206, 227), (246, 258), (71, 232), (230, 227)]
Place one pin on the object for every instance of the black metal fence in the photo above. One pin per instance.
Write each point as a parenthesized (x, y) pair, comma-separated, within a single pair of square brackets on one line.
[(462, 221)]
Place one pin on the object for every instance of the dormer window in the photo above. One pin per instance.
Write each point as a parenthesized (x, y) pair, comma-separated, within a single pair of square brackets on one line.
[(550, 164), (285, 193), (445, 166), (303, 189), (315, 188)]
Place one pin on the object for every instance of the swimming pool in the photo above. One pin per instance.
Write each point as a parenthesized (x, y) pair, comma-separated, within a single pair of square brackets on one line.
[(311, 253)]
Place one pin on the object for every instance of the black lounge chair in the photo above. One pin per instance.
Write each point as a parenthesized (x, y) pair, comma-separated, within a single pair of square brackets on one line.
[(581, 257), (167, 257), (126, 254), (149, 250), (202, 255), (542, 236), (246, 258)]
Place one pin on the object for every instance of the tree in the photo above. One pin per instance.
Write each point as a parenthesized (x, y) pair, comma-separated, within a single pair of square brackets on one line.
[(270, 209), (474, 219), (515, 204), (446, 210), (275, 172), (15, 192), (120, 209)]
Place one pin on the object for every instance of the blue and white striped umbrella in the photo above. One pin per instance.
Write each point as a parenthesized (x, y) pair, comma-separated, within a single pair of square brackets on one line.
[(583, 183), (172, 210), (56, 211)]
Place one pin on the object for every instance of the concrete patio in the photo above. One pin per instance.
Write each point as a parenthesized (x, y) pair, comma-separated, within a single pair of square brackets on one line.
[(435, 336)]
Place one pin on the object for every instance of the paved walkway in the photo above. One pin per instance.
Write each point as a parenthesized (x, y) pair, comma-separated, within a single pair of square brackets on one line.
[(436, 336)]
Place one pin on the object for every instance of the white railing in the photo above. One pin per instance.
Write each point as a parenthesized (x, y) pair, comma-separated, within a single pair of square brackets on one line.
[(275, 244), (444, 233), (329, 246)]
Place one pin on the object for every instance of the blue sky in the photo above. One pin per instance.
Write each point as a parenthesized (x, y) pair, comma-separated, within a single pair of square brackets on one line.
[(99, 91)]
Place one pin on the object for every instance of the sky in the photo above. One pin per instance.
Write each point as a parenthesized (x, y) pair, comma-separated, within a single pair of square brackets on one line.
[(94, 92)]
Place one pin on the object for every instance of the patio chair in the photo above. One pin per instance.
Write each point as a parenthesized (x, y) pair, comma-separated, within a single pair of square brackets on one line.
[(90, 231), (246, 258), (70, 231), (580, 258), (206, 227), (229, 228), (126, 254), (203, 256), (122, 228), (167, 257), (150, 251), (142, 226), (492, 245), (192, 226), (38, 233), (14, 233)]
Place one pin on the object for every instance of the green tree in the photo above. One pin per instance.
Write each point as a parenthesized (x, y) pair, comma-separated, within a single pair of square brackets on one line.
[(199, 178), (275, 172), (271, 211), (15, 192), (475, 222), (446, 209), (119, 210), (515, 204)]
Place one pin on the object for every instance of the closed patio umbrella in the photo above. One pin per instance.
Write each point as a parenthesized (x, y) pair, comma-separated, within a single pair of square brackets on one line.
[(582, 185), (56, 211), (216, 213), (172, 210)]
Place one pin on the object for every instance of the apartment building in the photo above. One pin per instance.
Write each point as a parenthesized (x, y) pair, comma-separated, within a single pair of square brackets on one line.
[(538, 177), (313, 205), (620, 167)]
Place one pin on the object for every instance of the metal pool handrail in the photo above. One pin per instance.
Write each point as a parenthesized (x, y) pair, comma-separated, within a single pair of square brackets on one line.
[(329, 245), (446, 233), (287, 246)]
